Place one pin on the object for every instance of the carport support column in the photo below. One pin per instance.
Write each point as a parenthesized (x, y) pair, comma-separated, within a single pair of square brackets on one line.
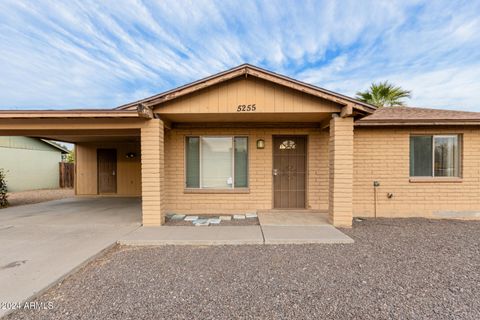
[(153, 187), (340, 151)]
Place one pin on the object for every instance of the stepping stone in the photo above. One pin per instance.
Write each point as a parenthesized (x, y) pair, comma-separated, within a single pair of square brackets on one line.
[(178, 217), (238, 216), (225, 218), (251, 215), (191, 218), (201, 222), (214, 220)]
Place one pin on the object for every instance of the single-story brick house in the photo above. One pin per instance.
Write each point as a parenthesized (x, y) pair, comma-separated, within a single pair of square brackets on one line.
[(248, 139)]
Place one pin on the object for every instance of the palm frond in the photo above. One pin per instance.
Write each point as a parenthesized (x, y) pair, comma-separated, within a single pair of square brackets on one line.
[(384, 94)]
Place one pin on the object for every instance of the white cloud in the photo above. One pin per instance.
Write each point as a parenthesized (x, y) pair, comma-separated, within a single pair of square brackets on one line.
[(102, 54)]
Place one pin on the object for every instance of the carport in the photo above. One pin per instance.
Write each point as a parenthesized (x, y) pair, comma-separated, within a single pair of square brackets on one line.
[(118, 152), (107, 145), (43, 242)]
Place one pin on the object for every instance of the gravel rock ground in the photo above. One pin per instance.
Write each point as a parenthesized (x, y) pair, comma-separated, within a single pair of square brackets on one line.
[(36, 196), (397, 269)]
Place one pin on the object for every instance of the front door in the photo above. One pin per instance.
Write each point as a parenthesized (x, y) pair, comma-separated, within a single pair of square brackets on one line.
[(107, 170), (289, 171)]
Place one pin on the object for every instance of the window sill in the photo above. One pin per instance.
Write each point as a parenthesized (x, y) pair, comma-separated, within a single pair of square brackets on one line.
[(436, 180), (216, 191)]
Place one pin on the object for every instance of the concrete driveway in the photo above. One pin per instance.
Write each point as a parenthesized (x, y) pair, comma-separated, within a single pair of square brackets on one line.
[(40, 243)]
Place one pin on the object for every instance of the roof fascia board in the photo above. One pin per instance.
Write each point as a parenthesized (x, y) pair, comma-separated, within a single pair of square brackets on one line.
[(415, 123), (15, 114), (55, 145), (307, 88), (176, 93)]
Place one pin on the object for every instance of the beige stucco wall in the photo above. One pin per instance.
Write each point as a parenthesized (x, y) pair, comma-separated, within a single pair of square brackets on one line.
[(260, 195), (382, 154), (128, 170)]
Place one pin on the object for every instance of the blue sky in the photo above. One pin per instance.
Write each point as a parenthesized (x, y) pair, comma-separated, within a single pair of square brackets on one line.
[(101, 54)]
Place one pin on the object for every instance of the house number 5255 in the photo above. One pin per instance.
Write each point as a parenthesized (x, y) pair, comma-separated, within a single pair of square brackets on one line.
[(246, 107)]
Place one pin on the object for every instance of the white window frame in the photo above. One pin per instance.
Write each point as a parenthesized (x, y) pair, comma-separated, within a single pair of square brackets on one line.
[(200, 159)]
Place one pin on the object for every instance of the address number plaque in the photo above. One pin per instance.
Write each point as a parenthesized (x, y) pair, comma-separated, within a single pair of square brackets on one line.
[(246, 107)]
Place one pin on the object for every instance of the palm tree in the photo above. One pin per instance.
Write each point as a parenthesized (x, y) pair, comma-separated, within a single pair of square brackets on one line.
[(384, 94)]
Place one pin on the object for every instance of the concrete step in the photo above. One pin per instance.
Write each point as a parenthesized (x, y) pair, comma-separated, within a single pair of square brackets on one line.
[(182, 235), (304, 235)]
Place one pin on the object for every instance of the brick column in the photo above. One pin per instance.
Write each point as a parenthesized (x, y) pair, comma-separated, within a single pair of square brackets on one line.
[(152, 173), (340, 167)]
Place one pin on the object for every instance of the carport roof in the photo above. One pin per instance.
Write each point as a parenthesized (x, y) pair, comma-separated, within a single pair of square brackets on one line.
[(73, 113), (73, 125)]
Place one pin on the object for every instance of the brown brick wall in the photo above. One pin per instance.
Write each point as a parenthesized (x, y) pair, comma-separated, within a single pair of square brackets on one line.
[(153, 176), (260, 172), (382, 154), (341, 171)]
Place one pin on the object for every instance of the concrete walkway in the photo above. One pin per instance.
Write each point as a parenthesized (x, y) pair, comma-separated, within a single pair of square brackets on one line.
[(194, 235), (274, 228), (41, 243), (299, 227)]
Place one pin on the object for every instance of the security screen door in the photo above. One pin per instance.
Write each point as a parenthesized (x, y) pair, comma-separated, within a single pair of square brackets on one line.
[(289, 171)]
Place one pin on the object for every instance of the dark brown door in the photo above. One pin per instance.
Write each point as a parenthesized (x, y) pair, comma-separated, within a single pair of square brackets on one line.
[(107, 170), (289, 171)]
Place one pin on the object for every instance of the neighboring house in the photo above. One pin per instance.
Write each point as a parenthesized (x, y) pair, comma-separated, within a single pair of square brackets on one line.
[(30, 163), (248, 139)]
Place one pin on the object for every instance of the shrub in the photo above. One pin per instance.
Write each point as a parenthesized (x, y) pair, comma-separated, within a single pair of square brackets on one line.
[(3, 189)]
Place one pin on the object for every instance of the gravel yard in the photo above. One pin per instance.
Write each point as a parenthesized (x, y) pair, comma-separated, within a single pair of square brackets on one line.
[(36, 196), (406, 268)]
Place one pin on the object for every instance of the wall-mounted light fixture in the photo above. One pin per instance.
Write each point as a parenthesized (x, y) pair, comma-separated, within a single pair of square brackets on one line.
[(130, 155), (260, 144)]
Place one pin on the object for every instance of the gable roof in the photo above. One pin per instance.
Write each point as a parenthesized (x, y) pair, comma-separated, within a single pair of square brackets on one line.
[(55, 145), (418, 116), (250, 70), (31, 143)]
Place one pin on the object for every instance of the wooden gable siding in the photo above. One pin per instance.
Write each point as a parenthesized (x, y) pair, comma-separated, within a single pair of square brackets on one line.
[(267, 97)]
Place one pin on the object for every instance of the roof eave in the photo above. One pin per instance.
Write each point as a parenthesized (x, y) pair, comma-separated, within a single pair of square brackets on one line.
[(28, 114), (62, 149), (377, 123)]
